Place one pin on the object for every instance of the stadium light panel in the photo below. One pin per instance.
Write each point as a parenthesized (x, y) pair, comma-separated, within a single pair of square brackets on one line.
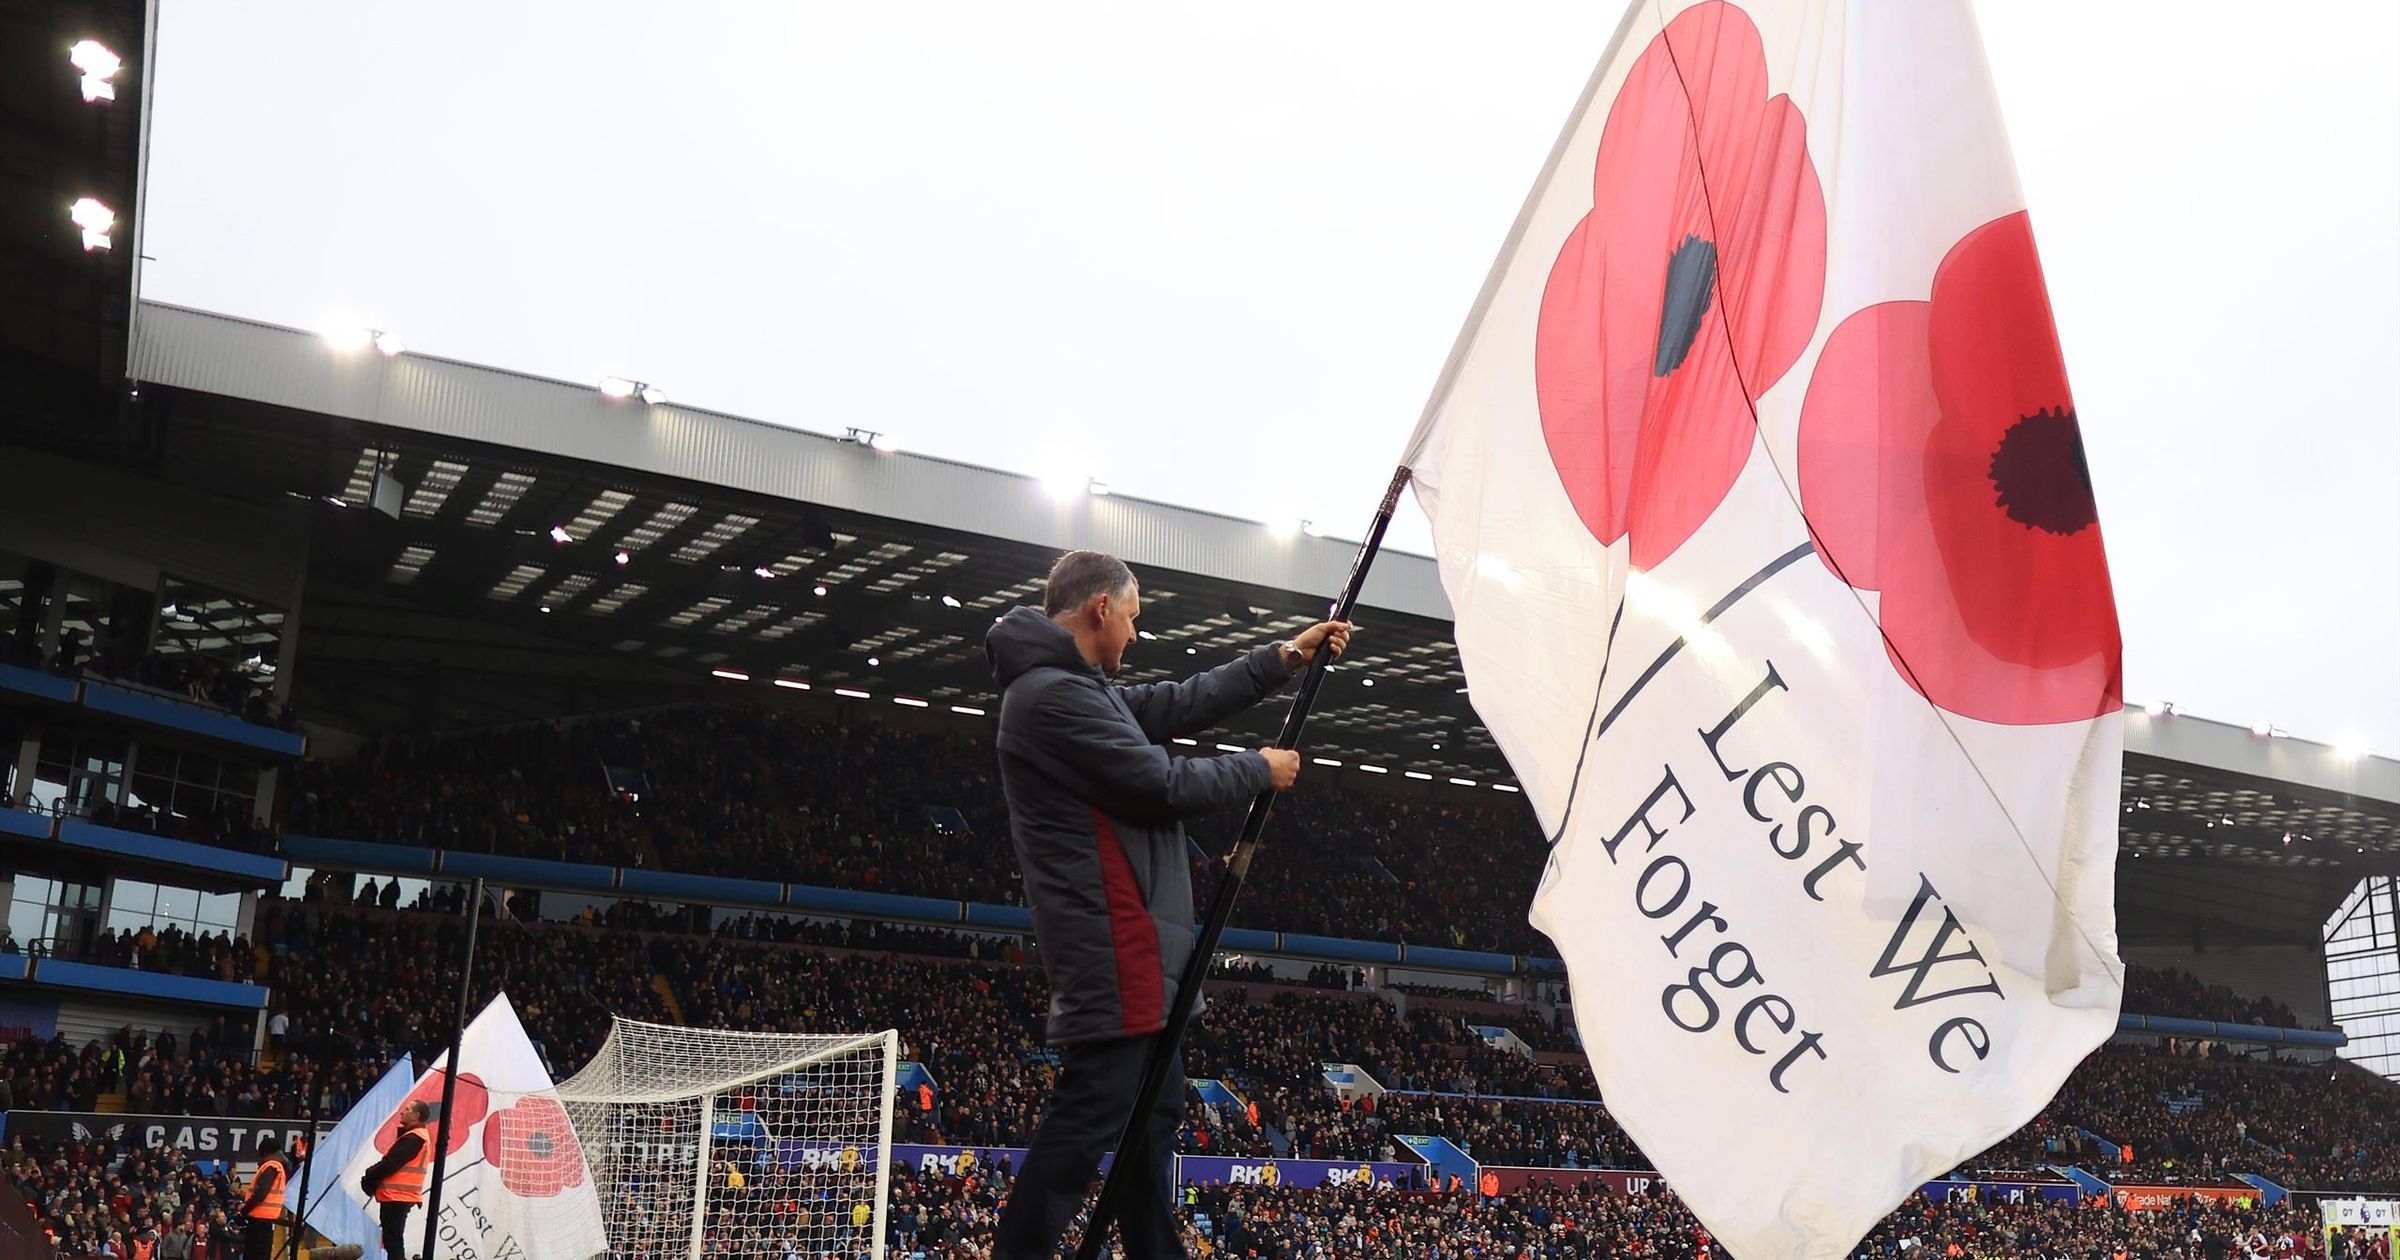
[(94, 58), (967, 709), (346, 338), (729, 675), (559, 534), (2262, 729), (2351, 748), (885, 443), (1188, 743), (852, 693), (1419, 774), (1366, 682), (912, 702), (1231, 748), (874, 662), (623, 558), (99, 64), (617, 387), (1464, 782), (1374, 769), (1326, 761), (762, 571), (95, 218), (950, 601), (653, 396), (1098, 488), (2156, 708), (791, 684), (389, 345), (819, 590), (1062, 486), (1504, 787), (1285, 526)]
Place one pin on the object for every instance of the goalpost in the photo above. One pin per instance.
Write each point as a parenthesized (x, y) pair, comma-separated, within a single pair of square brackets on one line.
[(705, 1142)]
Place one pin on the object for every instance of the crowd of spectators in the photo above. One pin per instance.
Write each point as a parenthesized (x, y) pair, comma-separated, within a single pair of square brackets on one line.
[(356, 984), (225, 823), (2199, 1117), (167, 951), (245, 692), (761, 792), (2174, 991), (764, 793), (102, 1201)]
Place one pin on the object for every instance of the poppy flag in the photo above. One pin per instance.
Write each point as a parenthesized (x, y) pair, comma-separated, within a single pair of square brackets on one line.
[(513, 1157), (1760, 499)]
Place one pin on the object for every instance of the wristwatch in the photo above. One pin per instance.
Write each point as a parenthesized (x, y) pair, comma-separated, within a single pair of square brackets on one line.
[(1292, 657)]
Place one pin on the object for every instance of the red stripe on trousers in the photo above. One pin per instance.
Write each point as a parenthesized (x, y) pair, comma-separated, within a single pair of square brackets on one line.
[(1141, 981)]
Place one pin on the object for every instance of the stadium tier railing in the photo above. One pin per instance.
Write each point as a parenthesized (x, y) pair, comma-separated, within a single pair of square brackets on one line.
[(146, 706), (255, 869), (66, 973), (368, 857)]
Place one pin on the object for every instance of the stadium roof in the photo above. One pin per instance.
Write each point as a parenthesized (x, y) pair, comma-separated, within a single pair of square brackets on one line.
[(915, 554)]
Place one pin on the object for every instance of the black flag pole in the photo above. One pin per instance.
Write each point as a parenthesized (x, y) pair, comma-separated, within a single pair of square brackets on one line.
[(458, 1032), (1133, 1137), (308, 1156)]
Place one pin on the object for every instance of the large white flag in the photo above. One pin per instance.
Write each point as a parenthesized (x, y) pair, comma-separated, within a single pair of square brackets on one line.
[(1758, 495), (515, 1185)]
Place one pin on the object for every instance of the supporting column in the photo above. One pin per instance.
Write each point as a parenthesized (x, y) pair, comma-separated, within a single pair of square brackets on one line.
[(29, 756)]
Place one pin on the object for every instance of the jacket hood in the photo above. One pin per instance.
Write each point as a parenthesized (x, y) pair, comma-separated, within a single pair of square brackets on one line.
[(1023, 639)]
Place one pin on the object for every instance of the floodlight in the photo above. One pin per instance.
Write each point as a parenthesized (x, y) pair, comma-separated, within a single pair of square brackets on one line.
[(95, 219), (99, 64)]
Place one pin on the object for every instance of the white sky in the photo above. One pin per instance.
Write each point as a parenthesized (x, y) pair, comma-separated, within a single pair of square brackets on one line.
[(1215, 255)]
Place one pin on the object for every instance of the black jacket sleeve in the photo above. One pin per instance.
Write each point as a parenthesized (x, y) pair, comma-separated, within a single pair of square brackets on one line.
[(402, 1151), (1106, 761), (1168, 709)]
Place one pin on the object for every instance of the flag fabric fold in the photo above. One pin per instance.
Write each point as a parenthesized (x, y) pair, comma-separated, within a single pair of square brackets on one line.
[(1760, 499)]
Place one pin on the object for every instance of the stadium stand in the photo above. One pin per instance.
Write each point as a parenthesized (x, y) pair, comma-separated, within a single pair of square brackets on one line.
[(361, 983), (732, 791)]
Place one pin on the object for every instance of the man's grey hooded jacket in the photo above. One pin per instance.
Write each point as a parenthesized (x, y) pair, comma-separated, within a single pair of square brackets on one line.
[(1096, 808)]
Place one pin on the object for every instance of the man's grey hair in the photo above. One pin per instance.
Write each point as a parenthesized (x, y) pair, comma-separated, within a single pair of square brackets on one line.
[(1080, 575)]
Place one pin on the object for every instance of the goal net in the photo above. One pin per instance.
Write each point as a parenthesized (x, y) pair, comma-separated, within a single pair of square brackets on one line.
[(704, 1142)]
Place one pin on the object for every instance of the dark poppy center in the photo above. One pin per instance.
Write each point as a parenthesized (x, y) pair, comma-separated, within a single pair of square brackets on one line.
[(1691, 284), (2040, 475), (540, 1144)]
